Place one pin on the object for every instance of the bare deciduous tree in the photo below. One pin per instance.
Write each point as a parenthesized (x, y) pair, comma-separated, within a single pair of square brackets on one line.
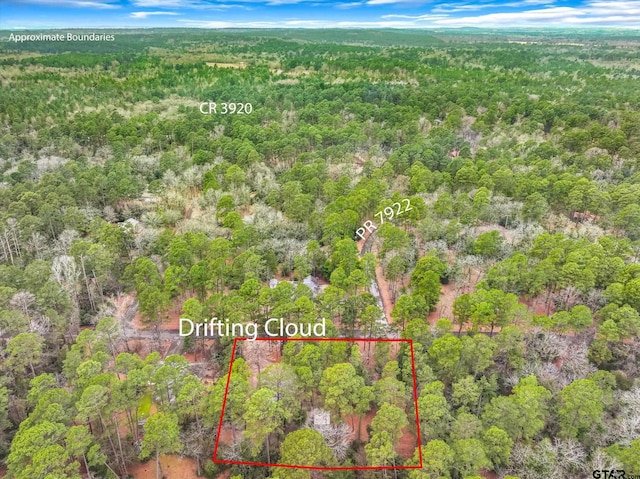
[(233, 451), (261, 179), (546, 346), (628, 421), (170, 179), (37, 245), (576, 365), (24, 302), (197, 443), (40, 325), (66, 274), (109, 214), (64, 240), (601, 460), (335, 435), (571, 457)]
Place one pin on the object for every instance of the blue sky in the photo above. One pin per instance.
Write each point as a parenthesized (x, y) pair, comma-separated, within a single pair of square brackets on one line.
[(16, 14)]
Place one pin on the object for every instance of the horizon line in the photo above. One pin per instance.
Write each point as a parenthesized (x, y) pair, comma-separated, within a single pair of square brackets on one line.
[(416, 28)]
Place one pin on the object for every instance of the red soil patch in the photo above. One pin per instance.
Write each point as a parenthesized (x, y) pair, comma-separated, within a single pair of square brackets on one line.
[(444, 307), (137, 322), (489, 474), (259, 355), (407, 444), (385, 293), (173, 467), (539, 306), (123, 425), (224, 474), (453, 289), (170, 320), (122, 302), (189, 357), (367, 353), (142, 347), (228, 434), (366, 420), (450, 291)]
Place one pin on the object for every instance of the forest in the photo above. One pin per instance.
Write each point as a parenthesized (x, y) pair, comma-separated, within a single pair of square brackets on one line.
[(514, 275), (330, 373)]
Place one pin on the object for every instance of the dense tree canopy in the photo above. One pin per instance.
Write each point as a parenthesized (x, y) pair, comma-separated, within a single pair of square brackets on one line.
[(495, 176)]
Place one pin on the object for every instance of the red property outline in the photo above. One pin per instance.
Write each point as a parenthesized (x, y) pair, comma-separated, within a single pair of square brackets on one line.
[(319, 468)]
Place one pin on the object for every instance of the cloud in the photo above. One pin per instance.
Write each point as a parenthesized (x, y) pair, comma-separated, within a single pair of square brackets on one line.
[(170, 3), (283, 2), (101, 4), (295, 23), (543, 14), (605, 13), (160, 3), (314, 3), (218, 24), (146, 14), (422, 13), (595, 13), (398, 2), (421, 18), (166, 3), (347, 5), (608, 7), (187, 4), (471, 7), (341, 5)]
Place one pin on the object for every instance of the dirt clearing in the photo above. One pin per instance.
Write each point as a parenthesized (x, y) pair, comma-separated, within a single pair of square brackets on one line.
[(173, 467)]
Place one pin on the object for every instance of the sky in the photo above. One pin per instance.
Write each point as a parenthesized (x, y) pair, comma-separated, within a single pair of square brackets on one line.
[(430, 14)]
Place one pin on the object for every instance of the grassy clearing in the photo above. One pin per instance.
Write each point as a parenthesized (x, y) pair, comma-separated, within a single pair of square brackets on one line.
[(144, 408)]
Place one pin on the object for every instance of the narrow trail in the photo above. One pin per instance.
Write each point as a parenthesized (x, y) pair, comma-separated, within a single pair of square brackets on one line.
[(443, 308), (382, 295), (126, 310)]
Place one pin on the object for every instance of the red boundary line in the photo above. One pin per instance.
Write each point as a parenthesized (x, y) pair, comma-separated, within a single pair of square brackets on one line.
[(224, 399), (319, 468), (415, 399)]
